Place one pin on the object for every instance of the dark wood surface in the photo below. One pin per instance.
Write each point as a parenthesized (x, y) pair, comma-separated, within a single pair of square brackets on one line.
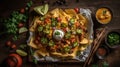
[(7, 6)]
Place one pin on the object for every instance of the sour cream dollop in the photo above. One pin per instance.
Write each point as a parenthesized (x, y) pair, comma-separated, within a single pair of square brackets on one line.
[(58, 34)]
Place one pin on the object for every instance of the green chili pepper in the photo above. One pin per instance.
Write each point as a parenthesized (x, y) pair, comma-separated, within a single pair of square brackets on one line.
[(75, 44), (46, 31), (78, 31), (51, 43), (44, 40), (68, 35), (63, 25), (47, 27), (67, 49), (42, 18), (40, 28), (72, 21)]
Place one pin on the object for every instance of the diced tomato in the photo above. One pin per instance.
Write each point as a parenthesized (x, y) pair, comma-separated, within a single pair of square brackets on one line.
[(76, 10), (64, 29), (73, 40), (59, 19), (36, 41), (77, 24), (47, 20)]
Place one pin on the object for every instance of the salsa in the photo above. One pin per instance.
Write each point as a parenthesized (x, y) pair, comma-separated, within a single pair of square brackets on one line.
[(101, 51)]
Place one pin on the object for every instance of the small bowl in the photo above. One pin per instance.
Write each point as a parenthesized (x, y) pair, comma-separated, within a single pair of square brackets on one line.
[(103, 15), (110, 39), (102, 52)]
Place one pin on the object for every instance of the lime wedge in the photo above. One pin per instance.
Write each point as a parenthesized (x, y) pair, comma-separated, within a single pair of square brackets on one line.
[(42, 10), (23, 29), (46, 8), (21, 52)]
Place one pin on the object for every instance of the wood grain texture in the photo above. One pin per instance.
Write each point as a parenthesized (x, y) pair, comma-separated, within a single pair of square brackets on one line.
[(7, 6)]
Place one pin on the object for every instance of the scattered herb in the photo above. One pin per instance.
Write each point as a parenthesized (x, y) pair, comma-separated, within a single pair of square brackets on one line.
[(113, 38), (29, 4), (57, 33), (104, 12)]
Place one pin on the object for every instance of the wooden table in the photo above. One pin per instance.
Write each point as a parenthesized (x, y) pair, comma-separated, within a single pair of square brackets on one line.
[(7, 6)]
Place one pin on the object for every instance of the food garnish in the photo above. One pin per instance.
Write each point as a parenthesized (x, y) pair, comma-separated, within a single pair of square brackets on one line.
[(22, 30), (113, 38), (42, 10), (21, 52)]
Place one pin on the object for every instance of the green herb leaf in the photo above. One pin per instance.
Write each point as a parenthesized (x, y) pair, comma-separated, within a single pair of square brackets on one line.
[(57, 33)]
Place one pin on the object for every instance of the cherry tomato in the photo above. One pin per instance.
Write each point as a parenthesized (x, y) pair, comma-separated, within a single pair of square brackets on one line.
[(8, 43), (13, 46), (76, 10), (36, 41), (77, 24), (22, 10), (20, 25)]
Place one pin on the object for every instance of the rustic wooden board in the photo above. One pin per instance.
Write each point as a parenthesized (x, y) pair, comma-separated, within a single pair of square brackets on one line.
[(6, 6)]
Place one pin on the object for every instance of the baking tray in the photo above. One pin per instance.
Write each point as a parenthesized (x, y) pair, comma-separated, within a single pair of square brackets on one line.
[(85, 53)]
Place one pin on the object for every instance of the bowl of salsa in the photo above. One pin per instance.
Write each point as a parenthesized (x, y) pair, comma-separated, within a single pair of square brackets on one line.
[(102, 51)]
